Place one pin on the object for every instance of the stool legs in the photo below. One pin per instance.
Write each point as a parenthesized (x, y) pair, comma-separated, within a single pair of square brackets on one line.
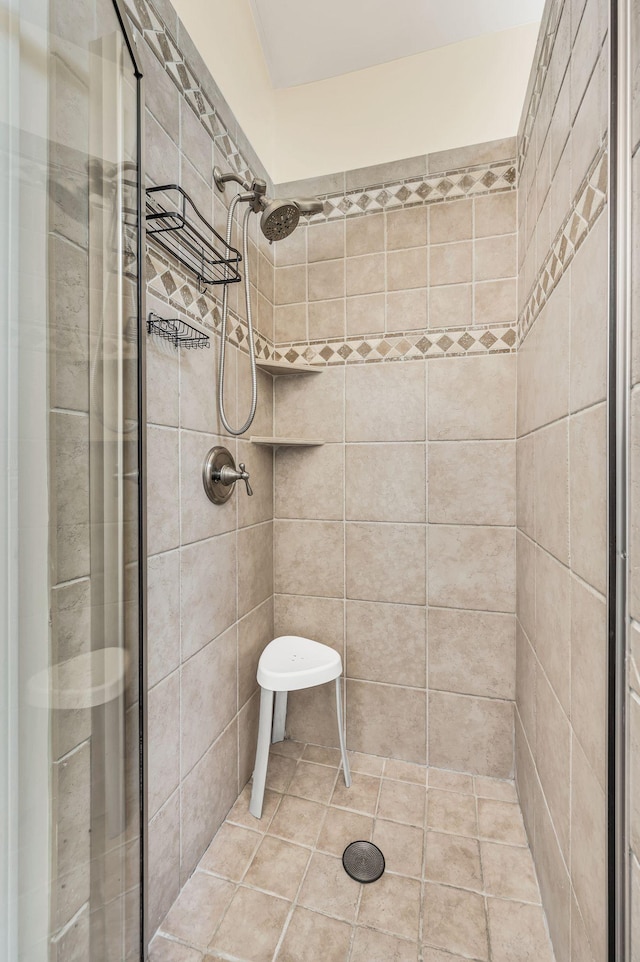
[(279, 717), (262, 752), (343, 747)]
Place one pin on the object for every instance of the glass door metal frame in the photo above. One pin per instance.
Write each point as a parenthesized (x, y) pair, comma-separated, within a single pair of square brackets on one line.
[(142, 479)]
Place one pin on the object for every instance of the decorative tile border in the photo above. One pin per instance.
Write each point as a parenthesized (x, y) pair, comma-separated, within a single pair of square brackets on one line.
[(413, 345), (587, 206), (543, 59), (148, 22), (166, 282), (451, 185)]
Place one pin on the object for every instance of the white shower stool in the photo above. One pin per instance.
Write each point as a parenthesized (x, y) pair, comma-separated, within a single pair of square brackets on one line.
[(289, 664)]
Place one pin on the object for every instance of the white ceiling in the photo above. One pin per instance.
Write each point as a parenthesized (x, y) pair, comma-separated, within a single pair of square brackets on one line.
[(308, 40)]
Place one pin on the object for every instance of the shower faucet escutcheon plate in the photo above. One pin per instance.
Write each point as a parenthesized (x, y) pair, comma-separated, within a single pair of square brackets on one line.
[(219, 475)]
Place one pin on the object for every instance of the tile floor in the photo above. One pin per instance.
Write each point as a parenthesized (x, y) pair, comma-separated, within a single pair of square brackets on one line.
[(459, 882)]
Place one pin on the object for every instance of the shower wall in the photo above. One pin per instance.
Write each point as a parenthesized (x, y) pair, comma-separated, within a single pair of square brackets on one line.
[(210, 566), (562, 456), (395, 541)]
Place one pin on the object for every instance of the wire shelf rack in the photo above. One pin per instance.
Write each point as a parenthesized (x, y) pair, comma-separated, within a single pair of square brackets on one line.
[(176, 225), (178, 332)]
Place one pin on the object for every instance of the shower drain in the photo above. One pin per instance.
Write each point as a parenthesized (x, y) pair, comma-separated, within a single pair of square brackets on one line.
[(363, 861)]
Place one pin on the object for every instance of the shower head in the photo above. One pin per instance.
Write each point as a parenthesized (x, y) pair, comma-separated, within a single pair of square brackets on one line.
[(279, 219), (309, 205)]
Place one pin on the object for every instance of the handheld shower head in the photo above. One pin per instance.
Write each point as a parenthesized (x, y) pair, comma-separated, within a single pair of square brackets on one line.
[(279, 219)]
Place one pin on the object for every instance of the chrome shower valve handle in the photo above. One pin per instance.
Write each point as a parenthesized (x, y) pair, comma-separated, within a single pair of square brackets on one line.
[(228, 475), (219, 475)]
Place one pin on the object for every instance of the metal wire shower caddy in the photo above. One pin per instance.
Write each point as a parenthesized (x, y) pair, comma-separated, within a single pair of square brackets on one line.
[(178, 332), (176, 225)]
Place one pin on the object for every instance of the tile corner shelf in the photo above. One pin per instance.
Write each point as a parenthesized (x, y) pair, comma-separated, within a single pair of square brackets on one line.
[(279, 368), (288, 442)]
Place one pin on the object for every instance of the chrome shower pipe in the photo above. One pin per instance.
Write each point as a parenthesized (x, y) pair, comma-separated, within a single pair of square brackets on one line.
[(225, 310)]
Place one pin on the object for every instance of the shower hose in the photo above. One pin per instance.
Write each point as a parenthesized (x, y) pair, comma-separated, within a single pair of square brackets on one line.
[(223, 332)]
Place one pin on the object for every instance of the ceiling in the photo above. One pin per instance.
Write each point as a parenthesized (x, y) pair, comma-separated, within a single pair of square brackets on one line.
[(308, 40)]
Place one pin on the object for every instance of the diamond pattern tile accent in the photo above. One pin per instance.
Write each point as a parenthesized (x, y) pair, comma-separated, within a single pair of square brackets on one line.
[(588, 204)]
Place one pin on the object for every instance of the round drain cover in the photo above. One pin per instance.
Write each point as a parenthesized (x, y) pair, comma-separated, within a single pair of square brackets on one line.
[(363, 861)]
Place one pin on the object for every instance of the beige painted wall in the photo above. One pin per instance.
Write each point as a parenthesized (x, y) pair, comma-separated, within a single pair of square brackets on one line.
[(465, 93)]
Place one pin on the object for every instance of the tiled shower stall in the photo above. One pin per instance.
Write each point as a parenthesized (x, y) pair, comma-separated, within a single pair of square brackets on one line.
[(449, 537)]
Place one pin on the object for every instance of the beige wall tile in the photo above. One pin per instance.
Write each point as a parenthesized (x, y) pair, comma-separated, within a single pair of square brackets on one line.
[(553, 624), (326, 318), (526, 678), (164, 860), (407, 269), (588, 861), (365, 235), (293, 249), (326, 241), (552, 489), (164, 741), (309, 558), (450, 263), (255, 566), (204, 613), (472, 652), (495, 302), (525, 484), (199, 517), (259, 464), (526, 584), (208, 700), (471, 734), (326, 279), (255, 631), (309, 483), (385, 402), (311, 716), (386, 720), (451, 222), (163, 626), (365, 274), (311, 406), (290, 323), (321, 619), (407, 310), (291, 284), (365, 314), (407, 228), (207, 794), (555, 885), (495, 257), (372, 472), (163, 460), (472, 482), (495, 214), (451, 305), (588, 487), (386, 643), (543, 364), (553, 757), (370, 576), (472, 398), (589, 311), (589, 674), (472, 567)]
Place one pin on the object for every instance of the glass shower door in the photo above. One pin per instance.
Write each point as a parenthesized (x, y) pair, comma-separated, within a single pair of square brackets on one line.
[(70, 451)]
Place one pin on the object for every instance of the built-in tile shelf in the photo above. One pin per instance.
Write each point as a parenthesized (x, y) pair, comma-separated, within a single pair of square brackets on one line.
[(279, 368), (288, 442)]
